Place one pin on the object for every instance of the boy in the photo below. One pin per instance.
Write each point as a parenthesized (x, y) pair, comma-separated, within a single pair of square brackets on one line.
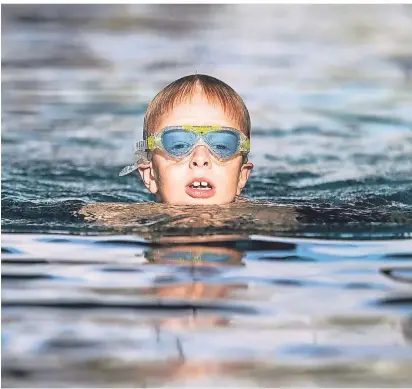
[(196, 142)]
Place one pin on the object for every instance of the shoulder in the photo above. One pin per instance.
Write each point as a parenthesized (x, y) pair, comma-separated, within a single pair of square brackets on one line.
[(119, 212), (244, 200)]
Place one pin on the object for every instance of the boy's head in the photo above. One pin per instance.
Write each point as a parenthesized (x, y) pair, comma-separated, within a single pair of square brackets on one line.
[(190, 159)]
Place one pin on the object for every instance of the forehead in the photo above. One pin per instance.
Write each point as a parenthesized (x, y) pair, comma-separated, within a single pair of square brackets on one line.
[(196, 110)]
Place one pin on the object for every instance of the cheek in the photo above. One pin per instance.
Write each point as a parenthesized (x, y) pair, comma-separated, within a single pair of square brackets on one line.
[(168, 174), (229, 174)]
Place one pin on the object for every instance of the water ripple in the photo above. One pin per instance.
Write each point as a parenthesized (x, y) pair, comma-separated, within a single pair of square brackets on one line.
[(307, 285)]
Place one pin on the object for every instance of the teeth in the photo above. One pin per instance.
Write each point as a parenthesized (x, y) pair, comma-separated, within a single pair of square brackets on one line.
[(203, 184)]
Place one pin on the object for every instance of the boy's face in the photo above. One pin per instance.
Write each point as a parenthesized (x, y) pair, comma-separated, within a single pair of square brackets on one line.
[(170, 180)]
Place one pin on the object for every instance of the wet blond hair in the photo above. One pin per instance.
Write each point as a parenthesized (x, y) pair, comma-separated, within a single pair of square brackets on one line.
[(216, 91)]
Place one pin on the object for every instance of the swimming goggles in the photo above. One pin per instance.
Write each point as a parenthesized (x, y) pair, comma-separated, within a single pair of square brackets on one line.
[(179, 141)]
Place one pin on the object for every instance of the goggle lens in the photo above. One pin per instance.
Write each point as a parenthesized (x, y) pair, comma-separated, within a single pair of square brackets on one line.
[(223, 143), (178, 142)]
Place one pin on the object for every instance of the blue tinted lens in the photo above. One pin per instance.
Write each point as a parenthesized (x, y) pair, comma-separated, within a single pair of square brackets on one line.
[(223, 143), (178, 142), (189, 256)]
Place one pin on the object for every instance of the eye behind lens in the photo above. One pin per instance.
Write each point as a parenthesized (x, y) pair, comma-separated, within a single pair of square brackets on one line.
[(178, 142), (178, 149), (224, 143)]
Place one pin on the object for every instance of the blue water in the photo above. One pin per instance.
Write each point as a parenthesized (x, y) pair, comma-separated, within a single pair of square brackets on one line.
[(313, 292)]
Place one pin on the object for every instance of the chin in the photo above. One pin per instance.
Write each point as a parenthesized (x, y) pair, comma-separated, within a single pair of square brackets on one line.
[(193, 197), (192, 201)]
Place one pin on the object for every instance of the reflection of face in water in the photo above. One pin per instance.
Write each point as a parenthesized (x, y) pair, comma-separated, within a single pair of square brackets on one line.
[(183, 372), (195, 255), (193, 266)]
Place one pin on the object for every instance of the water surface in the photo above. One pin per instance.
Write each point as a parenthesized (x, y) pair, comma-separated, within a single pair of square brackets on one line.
[(307, 285), (226, 310)]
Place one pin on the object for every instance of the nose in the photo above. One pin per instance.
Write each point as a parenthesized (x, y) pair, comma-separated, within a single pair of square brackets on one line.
[(200, 157)]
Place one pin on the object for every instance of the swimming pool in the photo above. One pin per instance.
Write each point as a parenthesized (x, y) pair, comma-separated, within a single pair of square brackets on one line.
[(313, 290)]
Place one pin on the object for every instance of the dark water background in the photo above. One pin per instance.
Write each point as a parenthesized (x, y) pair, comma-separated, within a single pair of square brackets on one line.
[(329, 93)]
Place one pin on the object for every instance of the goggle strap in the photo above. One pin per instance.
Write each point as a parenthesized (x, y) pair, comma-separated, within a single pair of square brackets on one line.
[(141, 145), (128, 169), (245, 147)]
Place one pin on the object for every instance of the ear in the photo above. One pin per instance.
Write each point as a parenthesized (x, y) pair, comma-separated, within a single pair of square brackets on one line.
[(148, 176), (244, 174)]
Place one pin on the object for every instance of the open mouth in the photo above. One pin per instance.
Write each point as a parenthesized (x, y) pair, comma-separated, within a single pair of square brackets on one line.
[(200, 188), (203, 185)]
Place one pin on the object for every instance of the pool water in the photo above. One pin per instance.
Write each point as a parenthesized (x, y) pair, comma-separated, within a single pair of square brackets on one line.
[(308, 285)]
